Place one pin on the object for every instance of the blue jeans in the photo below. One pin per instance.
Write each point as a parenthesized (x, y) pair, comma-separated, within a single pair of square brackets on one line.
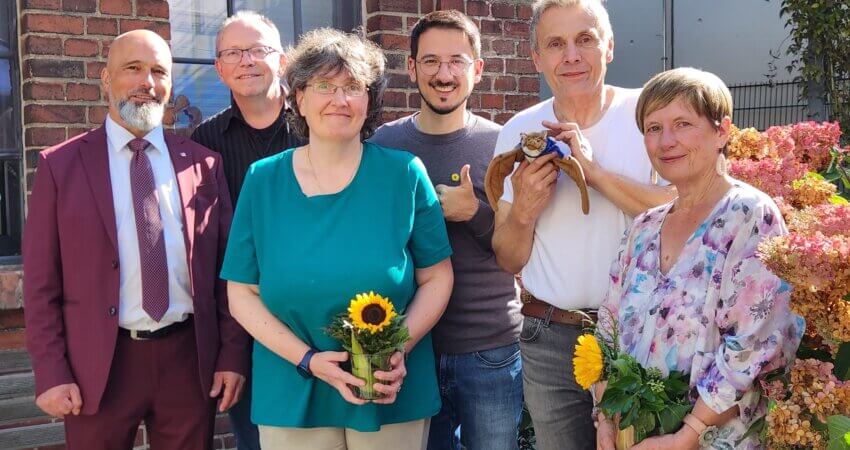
[(482, 400), (246, 433), (560, 409)]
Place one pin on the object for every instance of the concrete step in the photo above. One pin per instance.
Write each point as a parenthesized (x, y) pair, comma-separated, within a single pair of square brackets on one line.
[(17, 385), (14, 361), (32, 436), (19, 409)]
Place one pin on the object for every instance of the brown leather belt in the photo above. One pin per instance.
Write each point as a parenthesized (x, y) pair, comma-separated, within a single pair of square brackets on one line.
[(534, 307)]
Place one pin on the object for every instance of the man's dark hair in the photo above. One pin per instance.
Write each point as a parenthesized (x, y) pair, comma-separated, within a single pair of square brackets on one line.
[(449, 19)]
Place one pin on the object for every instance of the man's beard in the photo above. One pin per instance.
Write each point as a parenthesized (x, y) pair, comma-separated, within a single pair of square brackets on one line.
[(442, 110), (143, 117)]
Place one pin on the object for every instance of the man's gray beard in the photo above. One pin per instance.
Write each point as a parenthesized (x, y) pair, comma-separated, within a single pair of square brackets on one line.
[(144, 117)]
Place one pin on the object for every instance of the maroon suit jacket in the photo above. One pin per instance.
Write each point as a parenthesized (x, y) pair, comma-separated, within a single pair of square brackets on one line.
[(71, 268)]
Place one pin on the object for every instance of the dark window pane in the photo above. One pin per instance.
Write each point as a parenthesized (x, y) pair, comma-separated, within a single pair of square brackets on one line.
[(194, 24), (279, 11), (7, 122), (5, 26), (317, 14), (197, 94)]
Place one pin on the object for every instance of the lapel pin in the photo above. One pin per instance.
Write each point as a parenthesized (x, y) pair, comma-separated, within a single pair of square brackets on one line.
[(183, 154)]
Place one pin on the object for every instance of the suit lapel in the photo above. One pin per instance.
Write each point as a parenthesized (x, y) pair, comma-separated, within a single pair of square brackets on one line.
[(183, 161), (95, 157)]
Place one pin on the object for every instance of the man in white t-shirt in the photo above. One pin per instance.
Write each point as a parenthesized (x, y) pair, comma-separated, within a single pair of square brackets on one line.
[(563, 255)]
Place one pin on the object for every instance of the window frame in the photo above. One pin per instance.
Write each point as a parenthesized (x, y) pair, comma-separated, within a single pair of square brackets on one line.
[(10, 244)]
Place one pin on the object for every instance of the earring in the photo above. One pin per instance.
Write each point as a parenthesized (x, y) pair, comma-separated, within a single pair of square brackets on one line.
[(722, 166)]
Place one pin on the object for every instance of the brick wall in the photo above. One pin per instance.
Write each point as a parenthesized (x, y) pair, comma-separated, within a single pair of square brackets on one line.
[(510, 82)]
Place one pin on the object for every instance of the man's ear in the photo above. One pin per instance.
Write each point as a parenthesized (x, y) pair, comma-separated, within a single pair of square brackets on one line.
[(105, 82), (411, 69), (609, 57)]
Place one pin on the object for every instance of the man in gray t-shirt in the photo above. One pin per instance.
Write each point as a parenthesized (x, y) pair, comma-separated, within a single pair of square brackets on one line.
[(476, 340)]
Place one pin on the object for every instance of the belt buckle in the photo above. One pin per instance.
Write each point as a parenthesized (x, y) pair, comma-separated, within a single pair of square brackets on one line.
[(134, 335)]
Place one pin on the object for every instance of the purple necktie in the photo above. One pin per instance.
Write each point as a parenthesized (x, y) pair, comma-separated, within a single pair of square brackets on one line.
[(149, 228)]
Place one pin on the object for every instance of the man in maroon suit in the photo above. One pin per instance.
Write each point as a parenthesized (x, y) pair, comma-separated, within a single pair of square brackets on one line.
[(127, 320)]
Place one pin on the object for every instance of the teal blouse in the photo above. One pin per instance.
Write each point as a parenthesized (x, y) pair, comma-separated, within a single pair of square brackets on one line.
[(311, 255)]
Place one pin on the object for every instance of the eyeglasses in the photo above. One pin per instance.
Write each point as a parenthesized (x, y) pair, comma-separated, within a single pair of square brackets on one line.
[(350, 90), (457, 66), (234, 55)]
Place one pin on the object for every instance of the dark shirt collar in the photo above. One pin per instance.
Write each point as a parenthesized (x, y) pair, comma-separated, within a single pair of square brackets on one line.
[(234, 113)]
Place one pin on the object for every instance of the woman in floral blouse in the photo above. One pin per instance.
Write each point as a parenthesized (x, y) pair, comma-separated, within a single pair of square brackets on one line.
[(687, 289)]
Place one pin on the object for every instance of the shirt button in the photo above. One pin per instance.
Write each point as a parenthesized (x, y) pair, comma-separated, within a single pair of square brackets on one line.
[(114, 264), (112, 310)]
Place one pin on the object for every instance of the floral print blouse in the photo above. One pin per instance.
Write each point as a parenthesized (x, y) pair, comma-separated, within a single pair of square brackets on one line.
[(718, 314)]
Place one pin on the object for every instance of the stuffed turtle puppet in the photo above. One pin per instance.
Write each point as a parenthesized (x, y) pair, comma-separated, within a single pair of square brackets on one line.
[(532, 146)]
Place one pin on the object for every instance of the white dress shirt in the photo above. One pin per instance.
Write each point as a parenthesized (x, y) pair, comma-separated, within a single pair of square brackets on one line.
[(130, 313)]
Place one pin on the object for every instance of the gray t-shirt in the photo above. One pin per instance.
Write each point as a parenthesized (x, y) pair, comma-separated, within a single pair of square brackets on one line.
[(484, 309)]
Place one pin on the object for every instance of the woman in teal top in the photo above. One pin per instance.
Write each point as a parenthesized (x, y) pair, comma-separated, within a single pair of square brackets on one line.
[(318, 224)]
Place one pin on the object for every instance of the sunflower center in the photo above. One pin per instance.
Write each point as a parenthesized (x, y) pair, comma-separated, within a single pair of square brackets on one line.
[(373, 314)]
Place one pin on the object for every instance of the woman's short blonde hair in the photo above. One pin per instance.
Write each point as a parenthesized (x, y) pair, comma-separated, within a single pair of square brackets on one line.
[(703, 91)]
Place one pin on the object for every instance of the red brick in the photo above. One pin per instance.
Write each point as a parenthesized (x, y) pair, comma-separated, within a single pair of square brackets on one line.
[(485, 84), (105, 44), (49, 23), (520, 66), (426, 6), (43, 136), (523, 12), (396, 61), (81, 47), (120, 7), (503, 117), (520, 102), (414, 100), (518, 29), (483, 114), (504, 46), (34, 90), (53, 68), (54, 114), (398, 80), (477, 8), (152, 8), (494, 65), (523, 48), (41, 45), (451, 4), (393, 41), (79, 5), (503, 10), (93, 68), (411, 22), (97, 114), (161, 28), (474, 101), (77, 131), (493, 27), (492, 101), (384, 22), (395, 99), (100, 25), (529, 84), (505, 84), (83, 91), (41, 4), (409, 6)]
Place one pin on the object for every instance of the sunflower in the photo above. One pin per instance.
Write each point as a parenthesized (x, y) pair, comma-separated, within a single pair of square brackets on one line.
[(587, 361), (371, 312)]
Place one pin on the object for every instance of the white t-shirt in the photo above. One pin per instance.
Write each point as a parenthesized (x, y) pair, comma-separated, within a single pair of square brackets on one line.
[(572, 252)]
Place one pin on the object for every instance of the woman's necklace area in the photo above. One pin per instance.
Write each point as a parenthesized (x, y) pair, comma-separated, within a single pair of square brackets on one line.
[(322, 190)]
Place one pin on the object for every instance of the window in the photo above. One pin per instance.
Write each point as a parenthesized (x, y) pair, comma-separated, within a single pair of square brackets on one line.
[(11, 201), (197, 92)]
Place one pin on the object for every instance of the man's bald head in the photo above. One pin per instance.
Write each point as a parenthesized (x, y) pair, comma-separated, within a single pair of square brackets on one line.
[(137, 80)]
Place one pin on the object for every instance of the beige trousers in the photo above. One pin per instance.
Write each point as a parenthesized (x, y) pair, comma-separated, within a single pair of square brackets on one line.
[(398, 436)]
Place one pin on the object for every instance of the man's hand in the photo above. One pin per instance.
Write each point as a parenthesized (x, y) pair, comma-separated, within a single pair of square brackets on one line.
[(570, 134), (459, 203), (61, 400), (533, 185), (232, 384)]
